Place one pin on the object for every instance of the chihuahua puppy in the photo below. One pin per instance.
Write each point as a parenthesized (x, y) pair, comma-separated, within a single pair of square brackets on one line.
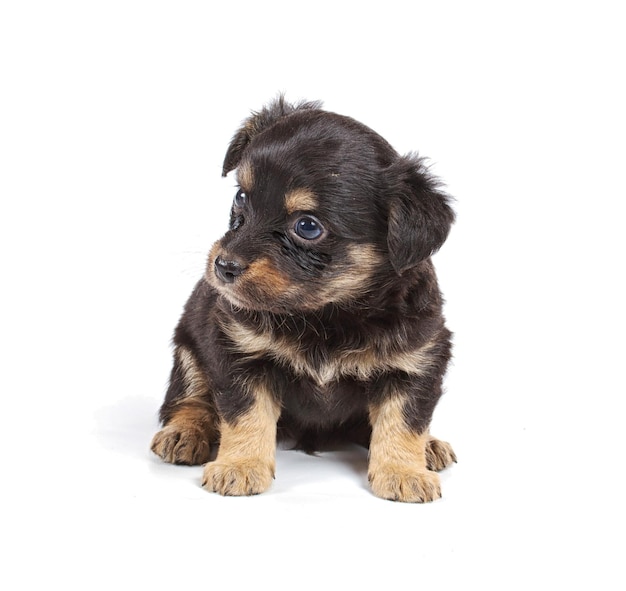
[(319, 316)]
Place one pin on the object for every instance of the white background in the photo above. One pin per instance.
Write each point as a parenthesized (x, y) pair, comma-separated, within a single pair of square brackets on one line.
[(114, 120)]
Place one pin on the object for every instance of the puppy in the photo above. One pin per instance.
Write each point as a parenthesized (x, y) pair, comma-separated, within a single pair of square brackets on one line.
[(319, 316)]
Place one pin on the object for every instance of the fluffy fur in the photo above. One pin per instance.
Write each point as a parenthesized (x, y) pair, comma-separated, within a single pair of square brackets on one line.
[(319, 316)]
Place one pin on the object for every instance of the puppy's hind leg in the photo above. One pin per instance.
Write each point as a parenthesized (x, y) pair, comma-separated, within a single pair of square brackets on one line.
[(188, 415)]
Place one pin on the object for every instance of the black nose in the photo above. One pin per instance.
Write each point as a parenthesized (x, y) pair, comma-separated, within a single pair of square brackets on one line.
[(228, 271)]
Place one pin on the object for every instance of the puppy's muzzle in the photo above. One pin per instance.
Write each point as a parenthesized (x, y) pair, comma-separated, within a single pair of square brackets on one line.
[(227, 271)]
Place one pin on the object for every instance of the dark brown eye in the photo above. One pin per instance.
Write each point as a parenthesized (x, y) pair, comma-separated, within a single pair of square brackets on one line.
[(308, 228)]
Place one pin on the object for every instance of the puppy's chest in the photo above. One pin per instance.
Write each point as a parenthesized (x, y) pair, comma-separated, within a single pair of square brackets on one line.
[(324, 363)]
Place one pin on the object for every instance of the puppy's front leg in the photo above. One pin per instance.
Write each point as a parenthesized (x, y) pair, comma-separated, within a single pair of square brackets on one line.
[(188, 414), (397, 464), (245, 463)]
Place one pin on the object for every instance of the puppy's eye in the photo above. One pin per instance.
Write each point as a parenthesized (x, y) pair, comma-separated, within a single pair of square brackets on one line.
[(240, 199), (309, 228)]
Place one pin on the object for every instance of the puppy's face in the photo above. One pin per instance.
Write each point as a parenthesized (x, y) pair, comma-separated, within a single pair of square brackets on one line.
[(312, 220)]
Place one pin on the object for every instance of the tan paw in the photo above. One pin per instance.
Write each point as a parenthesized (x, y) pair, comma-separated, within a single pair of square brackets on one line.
[(181, 445), (420, 486), (439, 454), (237, 478)]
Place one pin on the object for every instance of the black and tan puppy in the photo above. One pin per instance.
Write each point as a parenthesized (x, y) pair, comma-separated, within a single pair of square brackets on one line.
[(319, 315)]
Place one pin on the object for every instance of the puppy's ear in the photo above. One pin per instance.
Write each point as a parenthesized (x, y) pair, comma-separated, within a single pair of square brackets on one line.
[(419, 213), (256, 123)]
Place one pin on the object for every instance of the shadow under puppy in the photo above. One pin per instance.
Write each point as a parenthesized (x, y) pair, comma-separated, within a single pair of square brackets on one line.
[(319, 314)]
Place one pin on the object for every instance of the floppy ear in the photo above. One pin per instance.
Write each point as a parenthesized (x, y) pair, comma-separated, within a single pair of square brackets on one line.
[(256, 123), (419, 213)]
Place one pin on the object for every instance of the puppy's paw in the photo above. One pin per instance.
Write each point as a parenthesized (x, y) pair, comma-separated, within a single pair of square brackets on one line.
[(439, 454), (181, 445), (402, 484), (238, 478)]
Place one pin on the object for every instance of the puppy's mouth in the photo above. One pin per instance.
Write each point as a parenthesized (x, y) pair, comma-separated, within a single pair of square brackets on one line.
[(261, 285), (257, 285)]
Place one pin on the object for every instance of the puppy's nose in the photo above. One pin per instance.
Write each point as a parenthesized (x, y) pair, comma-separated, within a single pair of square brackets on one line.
[(228, 271)]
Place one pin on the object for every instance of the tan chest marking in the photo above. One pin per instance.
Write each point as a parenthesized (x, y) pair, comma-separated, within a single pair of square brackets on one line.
[(358, 364)]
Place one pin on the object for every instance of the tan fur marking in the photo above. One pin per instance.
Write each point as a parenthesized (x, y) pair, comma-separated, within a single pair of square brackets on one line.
[(209, 271), (359, 364), (195, 380), (267, 278), (246, 340), (439, 454), (300, 200), (397, 465), (355, 278), (187, 437), (245, 176), (245, 463), (191, 415)]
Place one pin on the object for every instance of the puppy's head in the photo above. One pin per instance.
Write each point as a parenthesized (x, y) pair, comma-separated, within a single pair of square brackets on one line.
[(325, 212)]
